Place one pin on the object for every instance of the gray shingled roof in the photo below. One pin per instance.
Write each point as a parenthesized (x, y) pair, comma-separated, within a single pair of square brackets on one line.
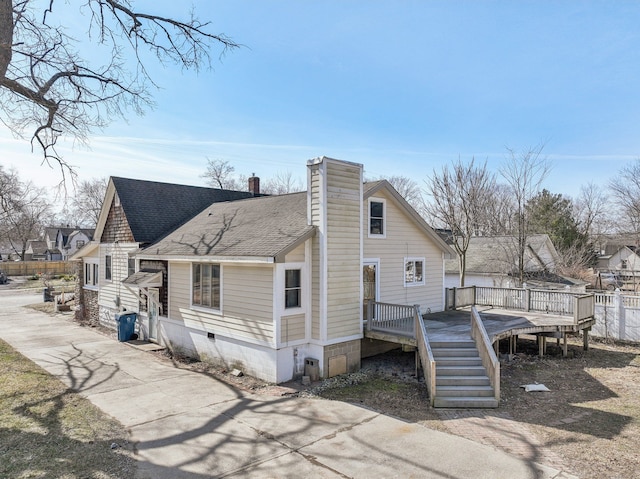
[(257, 227), (494, 254), (154, 209)]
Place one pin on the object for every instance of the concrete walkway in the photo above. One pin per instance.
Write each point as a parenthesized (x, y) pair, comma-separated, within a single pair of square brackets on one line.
[(188, 425)]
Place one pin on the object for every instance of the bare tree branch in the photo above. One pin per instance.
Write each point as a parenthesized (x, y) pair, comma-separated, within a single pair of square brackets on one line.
[(524, 173), (458, 199), (49, 90)]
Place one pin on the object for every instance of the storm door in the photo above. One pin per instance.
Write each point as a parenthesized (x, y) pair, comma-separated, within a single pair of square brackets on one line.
[(153, 311), (370, 286)]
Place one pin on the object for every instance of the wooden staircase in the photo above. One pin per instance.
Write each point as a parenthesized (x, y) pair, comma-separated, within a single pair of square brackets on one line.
[(461, 379)]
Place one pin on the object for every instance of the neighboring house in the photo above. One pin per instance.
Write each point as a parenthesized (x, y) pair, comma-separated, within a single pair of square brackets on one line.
[(63, 242), (493, 261), (623, 259), (36, 250), (264, 284)]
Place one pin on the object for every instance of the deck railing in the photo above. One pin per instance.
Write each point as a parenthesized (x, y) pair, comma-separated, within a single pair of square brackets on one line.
[(391, 318), (426, 355), (406, 321), (585, 307), (487, 354), (579, 306)]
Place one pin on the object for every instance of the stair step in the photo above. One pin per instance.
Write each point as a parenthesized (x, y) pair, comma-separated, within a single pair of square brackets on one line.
[(453, 352), (460, 371), (465, 402), (462, 381), (464, 391), (462, 344), (459, 362)]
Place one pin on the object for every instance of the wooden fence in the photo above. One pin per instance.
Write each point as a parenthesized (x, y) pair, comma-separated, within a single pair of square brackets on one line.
[(30, 268)]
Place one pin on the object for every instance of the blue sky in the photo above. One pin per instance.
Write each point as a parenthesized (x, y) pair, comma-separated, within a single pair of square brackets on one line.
[(402, 87)]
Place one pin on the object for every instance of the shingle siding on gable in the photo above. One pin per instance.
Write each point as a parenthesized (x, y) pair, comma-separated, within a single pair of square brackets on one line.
[(116, 227)]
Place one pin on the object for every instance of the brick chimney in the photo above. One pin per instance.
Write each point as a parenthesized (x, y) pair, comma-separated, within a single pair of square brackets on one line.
[(254, 184)]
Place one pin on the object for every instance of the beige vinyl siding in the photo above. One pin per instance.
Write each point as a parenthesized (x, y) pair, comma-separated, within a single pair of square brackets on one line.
[(295, 256), (292, 328), (343, 250), (112, 293), (315, 288), (315, 254), (247, 302), (405, 239)]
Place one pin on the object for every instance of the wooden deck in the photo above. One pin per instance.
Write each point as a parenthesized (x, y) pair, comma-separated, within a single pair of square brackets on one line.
[(458, 348), (506, 324), (499, 324)]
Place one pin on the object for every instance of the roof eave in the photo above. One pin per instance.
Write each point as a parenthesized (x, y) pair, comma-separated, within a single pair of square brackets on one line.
[(280, 257), (205, 259)]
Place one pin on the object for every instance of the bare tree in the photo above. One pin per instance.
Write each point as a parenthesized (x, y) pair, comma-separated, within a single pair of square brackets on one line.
[(9, 191), (625, 188), (23, 212), (48, 89), (86, 203), (284, 182), (524, 173), (219, 174), (458, 199), (499, 215)]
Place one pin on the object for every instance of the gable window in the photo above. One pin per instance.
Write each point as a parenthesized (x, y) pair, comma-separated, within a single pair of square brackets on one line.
[(376, 218), (205, 286), (292, 288), (413, 271), (625, 264), (107, 267), (79, 244)]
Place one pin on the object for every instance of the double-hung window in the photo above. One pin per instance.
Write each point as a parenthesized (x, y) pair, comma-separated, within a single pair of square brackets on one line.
[(292, 288), (205, 287), (413, 271), (377, 218)]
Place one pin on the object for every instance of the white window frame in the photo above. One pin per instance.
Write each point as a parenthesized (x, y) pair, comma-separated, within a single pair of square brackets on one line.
[(384, 218), (280, 290), (131, 270), (204, 307), (298, 288), (414, 260), (91, 280)]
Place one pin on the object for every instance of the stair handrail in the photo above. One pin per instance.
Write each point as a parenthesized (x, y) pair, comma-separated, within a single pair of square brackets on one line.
[(425, 353), (487, 354)]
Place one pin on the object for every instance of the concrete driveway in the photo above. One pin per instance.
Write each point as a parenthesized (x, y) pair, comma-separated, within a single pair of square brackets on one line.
[(188, 425)]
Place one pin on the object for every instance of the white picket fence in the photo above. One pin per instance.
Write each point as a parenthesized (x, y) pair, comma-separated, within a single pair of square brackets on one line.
[(617, 316)]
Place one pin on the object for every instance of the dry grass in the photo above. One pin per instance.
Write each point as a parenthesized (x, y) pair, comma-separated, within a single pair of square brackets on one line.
[(48, 431)]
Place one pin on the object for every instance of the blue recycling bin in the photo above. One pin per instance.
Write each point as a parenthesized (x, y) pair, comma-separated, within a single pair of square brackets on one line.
[(126, 325)]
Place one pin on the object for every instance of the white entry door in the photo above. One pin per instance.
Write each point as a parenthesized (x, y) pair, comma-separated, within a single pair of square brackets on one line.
[(153, 310)]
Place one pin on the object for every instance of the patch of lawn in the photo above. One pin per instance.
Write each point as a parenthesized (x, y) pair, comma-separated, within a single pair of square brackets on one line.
[(46, 430)]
